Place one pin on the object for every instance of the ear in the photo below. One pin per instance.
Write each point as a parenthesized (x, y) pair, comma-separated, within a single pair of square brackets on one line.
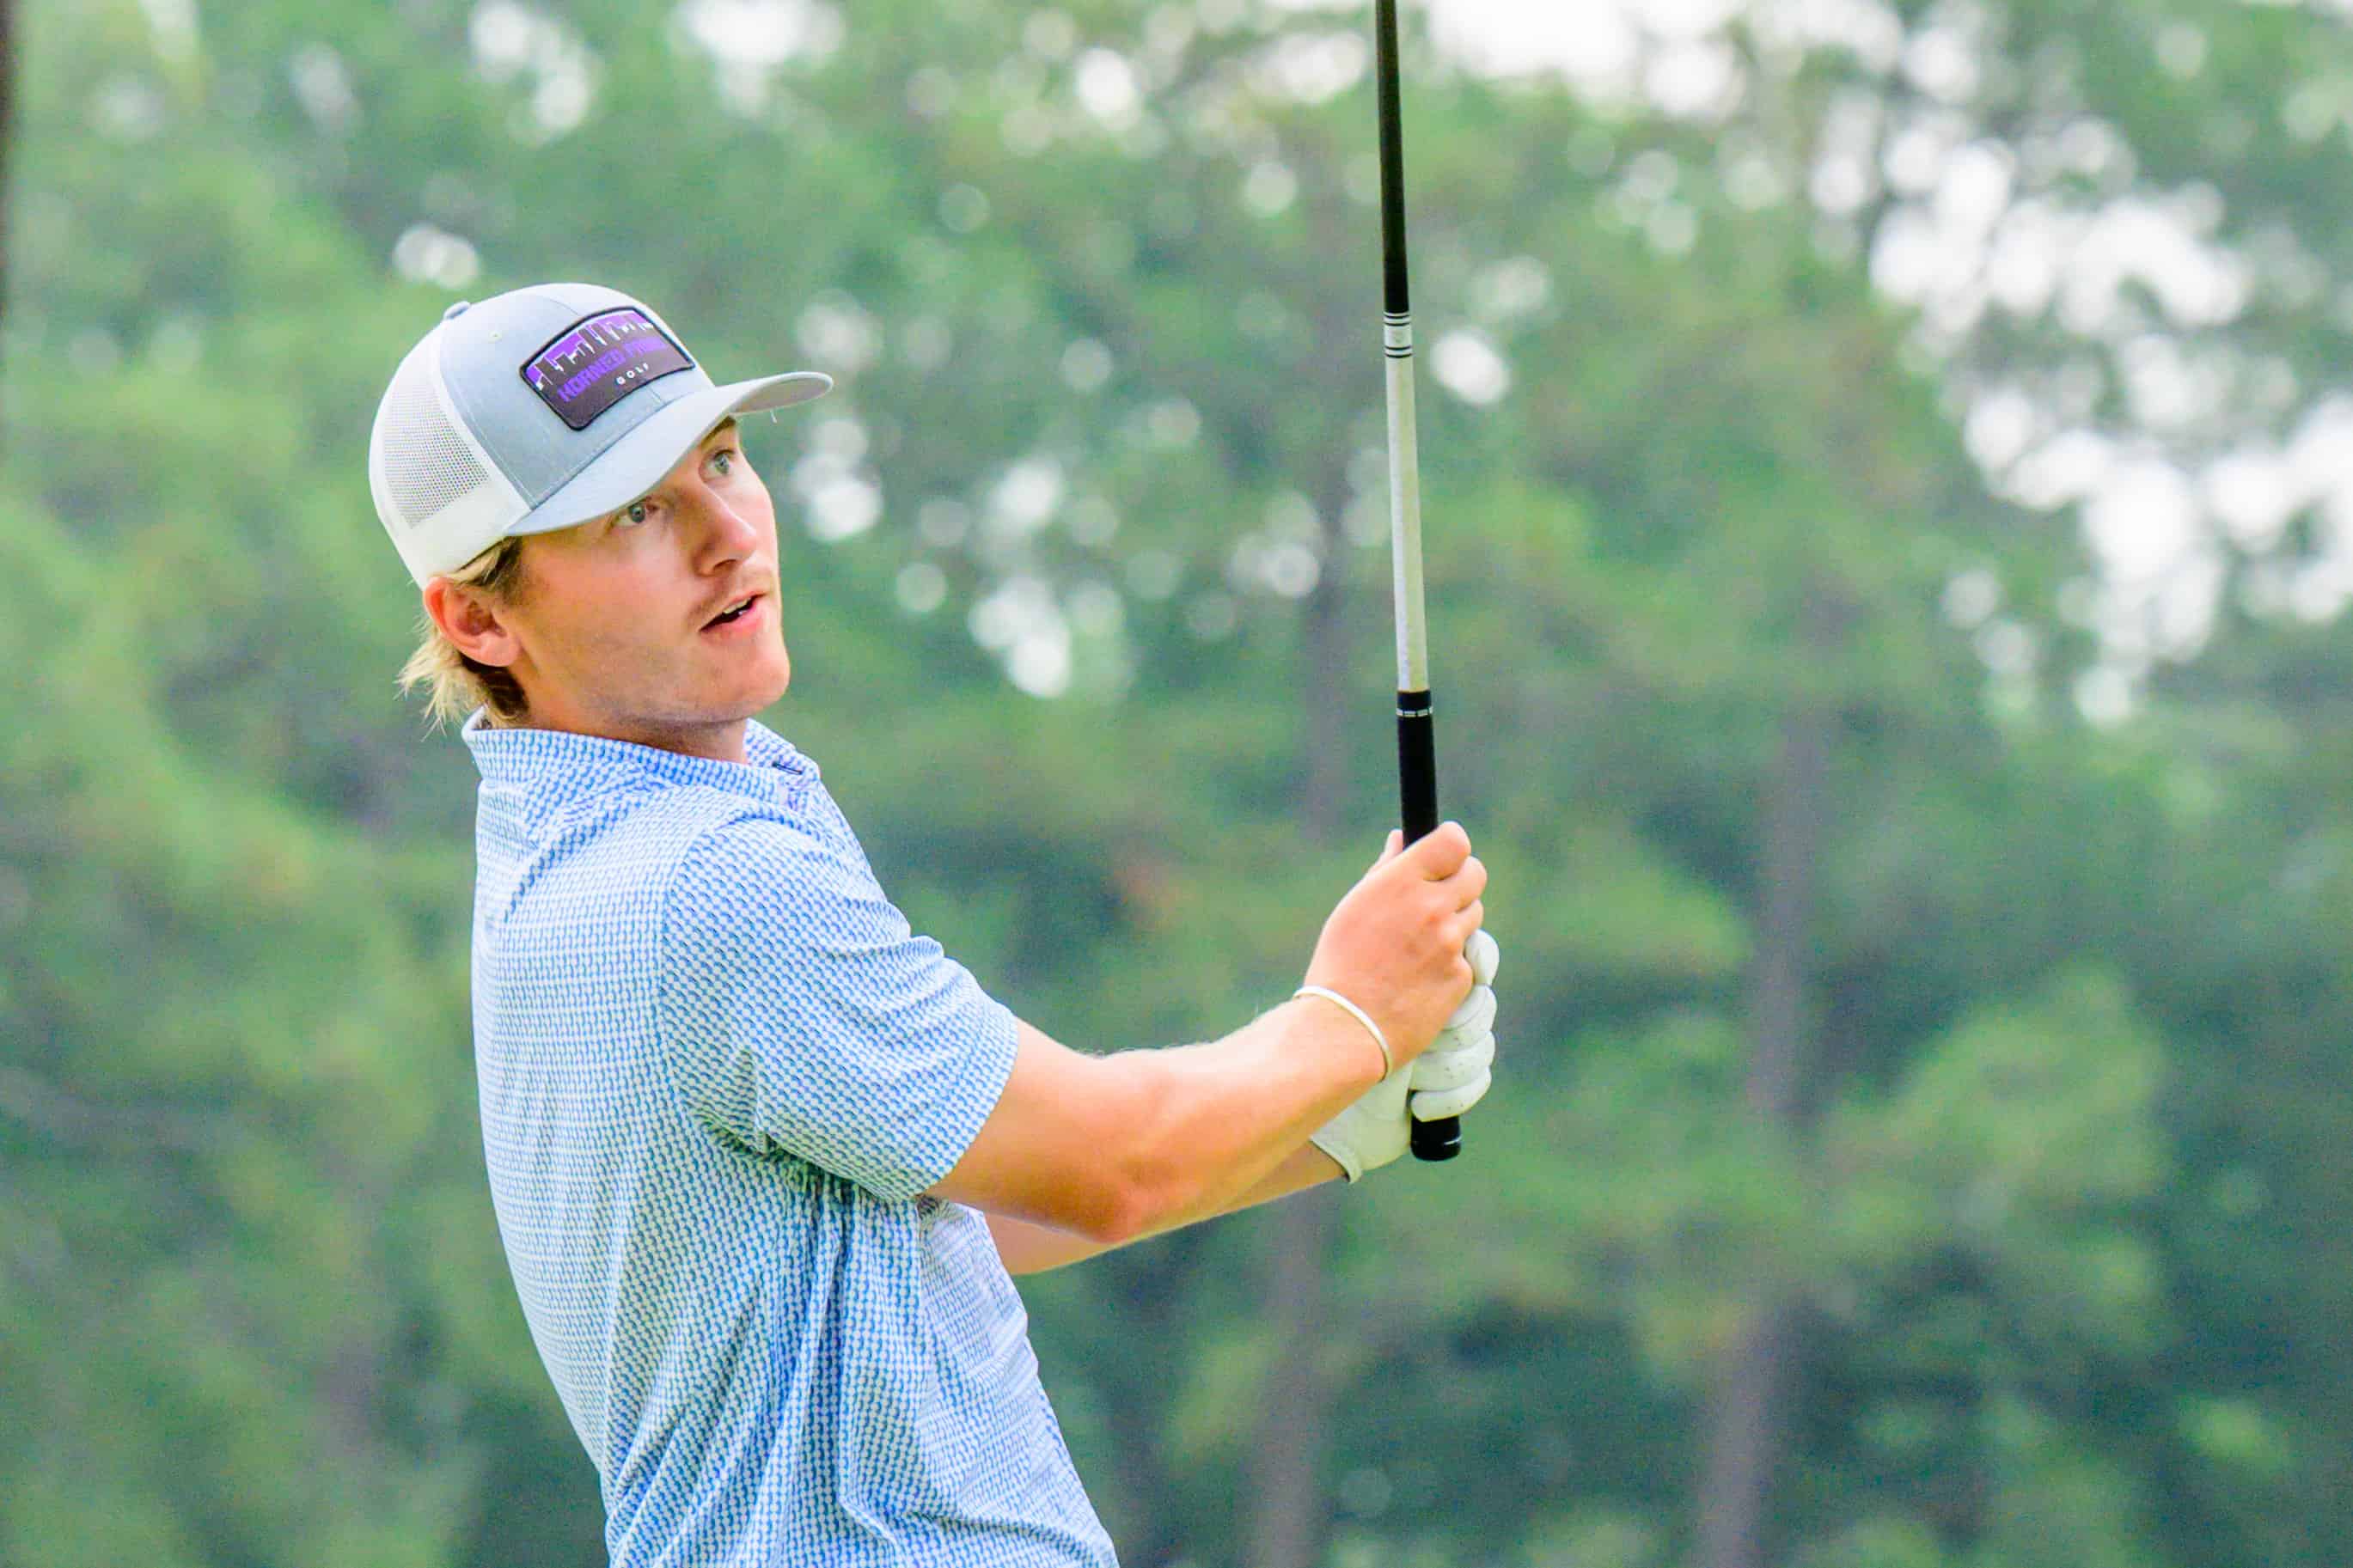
[(468, 618)]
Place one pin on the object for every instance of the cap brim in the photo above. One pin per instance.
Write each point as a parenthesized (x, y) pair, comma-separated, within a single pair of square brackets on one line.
[(637, 462)]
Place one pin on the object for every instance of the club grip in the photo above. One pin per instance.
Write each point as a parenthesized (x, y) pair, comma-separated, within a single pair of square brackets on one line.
[(1418, 791)]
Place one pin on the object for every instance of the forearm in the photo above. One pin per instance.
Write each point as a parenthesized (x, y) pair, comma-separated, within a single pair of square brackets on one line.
[(1213, 1122), (1112, 1148), (1029, 1249)]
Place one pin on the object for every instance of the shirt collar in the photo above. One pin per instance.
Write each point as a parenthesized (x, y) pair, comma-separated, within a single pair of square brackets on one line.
[(582, 763)]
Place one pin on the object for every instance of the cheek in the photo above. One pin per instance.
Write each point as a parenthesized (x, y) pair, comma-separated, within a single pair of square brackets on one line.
[(592, 613)]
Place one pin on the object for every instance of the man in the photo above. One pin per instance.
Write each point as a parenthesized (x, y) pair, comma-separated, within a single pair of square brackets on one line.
[(762, 1158)]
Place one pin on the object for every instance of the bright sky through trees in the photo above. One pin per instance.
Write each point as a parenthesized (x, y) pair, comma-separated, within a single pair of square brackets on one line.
[(1965, 241)]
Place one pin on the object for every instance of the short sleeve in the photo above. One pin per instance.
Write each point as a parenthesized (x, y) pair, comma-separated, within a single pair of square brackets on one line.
[(800, 1014)]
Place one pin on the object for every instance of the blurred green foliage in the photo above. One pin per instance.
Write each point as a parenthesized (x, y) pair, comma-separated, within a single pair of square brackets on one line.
[(2054, 1189)]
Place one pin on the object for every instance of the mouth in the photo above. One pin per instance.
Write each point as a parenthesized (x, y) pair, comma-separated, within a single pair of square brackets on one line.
[(742, 610)]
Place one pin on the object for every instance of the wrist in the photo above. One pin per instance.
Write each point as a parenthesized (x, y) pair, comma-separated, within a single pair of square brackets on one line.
[(1331, 1014)]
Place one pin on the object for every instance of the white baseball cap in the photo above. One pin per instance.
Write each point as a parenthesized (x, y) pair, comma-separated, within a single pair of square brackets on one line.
[(538, 409)]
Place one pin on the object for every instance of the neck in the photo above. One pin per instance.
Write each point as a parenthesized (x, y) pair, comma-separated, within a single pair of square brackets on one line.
[(720, 743)]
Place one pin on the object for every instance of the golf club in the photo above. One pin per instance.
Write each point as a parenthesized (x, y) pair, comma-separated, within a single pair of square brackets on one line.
[(1440, 1139)]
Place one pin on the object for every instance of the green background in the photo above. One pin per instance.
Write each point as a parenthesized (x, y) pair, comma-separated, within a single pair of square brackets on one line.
[(1920, 1137)]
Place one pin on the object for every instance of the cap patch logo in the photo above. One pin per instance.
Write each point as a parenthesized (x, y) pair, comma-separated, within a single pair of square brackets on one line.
[(599, 361)]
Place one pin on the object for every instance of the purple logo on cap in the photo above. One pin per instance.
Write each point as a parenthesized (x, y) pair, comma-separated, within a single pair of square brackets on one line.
[(598, 360)]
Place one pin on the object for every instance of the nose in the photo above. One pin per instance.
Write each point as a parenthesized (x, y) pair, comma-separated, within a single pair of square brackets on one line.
[(729, 529)]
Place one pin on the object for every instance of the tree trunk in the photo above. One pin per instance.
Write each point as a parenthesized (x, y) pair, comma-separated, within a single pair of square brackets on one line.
[(1288, 1509), (1288, 1512), (1749, 1411), (1157, 1286), (7, 139), (1747, 1414)]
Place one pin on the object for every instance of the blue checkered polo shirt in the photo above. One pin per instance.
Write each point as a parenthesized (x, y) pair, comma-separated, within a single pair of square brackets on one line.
[(718, 1072)]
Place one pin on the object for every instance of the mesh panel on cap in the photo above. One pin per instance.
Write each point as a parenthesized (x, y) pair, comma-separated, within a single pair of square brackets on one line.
[(426, 464)]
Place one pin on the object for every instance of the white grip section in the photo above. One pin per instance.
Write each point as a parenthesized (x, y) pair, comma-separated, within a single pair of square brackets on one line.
[(1405, 505)]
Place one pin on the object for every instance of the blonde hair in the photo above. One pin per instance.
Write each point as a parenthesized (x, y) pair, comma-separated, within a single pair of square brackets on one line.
[(455, 685)]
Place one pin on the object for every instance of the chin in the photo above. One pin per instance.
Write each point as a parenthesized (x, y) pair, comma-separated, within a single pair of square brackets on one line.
[(772, 690)]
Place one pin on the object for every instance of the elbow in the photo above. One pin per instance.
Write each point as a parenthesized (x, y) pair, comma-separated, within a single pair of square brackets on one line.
[(1122, 1205), (1147, 1191), (1115, 1219), (1111, 1204)]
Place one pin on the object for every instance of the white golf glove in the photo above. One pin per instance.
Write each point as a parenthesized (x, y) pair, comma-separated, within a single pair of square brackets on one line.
[(1447, 1079)]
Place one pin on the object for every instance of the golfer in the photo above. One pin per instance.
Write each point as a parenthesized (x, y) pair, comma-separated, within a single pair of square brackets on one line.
[(763, 1159)]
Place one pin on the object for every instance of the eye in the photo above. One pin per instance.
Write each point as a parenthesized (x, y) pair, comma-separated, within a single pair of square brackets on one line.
[(724, 461), (631, 515)]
